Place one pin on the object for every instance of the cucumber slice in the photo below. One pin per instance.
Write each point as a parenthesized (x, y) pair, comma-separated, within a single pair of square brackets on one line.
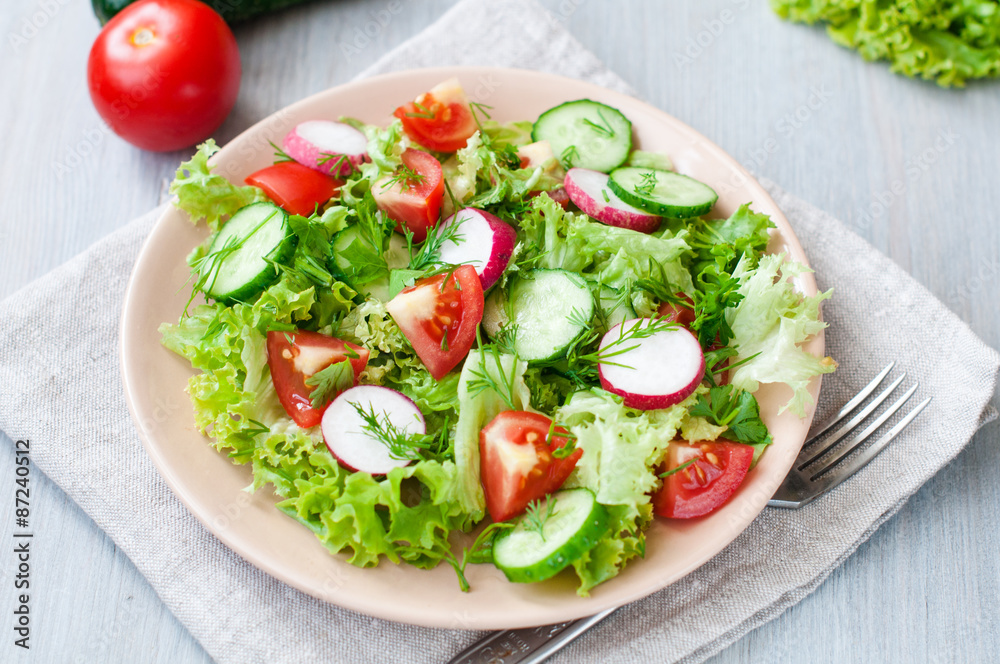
[(550, 309), (662, 192), (237, 262), (576, 523), (586, 134)]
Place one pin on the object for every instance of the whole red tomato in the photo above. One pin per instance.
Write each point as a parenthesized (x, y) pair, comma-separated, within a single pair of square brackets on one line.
[(164, 74)]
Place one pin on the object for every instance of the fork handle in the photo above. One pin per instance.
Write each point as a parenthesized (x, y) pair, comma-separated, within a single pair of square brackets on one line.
[(529, 645)]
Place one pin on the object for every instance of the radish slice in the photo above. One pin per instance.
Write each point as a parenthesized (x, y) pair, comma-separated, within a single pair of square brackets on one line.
[(654, 371), (484, 241), (321, 144), (355, 447), (590, 192)]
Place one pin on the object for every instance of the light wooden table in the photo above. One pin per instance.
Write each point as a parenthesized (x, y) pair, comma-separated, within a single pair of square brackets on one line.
[(912, 167)]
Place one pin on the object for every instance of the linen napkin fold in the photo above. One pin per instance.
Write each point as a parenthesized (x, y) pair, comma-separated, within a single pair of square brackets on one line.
[(239, 614)]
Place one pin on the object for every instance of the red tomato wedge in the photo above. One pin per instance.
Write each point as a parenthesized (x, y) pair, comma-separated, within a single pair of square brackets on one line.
[(440, 319), (441, 119), (295, 356), (296, 188), (414, 203), (516, 463), (718, 470)]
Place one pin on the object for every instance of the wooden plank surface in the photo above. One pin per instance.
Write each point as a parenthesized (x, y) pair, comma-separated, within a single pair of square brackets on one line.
[(910, 166)]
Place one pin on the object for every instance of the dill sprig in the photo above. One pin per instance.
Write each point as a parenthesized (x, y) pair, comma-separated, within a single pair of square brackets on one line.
[(208, 266), (405, 177), (503, 383), (469, 554), (422, 112), (279, 154), (401, 443), (568, 156), (339, 161), (429, 254), (604, 128), (536, 516), (581, 363), (648, 184), (679, 468)]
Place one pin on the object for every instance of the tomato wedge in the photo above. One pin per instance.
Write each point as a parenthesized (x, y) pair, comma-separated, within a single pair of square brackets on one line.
[(440, 319), (295, 356), (414, 203), (441, 119), (296, 188), (717, 471), (516, 462)]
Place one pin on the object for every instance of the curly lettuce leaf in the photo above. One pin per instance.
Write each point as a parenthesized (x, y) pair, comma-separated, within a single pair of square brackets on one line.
[(207, 195), (621, 449), (950, 42), (480, 401), (407, 515), (769, 323)]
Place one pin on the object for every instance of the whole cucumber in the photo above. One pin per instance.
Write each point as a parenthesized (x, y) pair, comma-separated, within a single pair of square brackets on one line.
[(231, 10)]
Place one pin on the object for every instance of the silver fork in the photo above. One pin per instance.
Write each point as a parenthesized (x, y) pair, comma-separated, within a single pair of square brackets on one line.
[(815, 472)]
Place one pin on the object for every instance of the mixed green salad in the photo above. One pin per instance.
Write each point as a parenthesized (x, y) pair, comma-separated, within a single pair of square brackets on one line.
[(529, 330)]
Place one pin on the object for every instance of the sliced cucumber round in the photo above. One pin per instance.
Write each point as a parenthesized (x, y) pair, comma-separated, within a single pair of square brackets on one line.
[(549, 310), (570, 526), (662, 192), (586, 134), (238, 264)]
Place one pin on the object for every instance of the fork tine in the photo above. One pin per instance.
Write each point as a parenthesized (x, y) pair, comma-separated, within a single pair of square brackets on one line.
[(835, 437), (852, 404), (858, 439), (859, 462)]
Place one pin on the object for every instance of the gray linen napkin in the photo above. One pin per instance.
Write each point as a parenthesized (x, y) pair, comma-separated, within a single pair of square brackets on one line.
[(239, 614)]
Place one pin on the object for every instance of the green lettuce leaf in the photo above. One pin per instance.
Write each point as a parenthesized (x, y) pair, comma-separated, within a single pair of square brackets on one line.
[(947, 41), (769, 323), (621, 449), (207, 195), (407, 515), (617, 257), (480, 402)]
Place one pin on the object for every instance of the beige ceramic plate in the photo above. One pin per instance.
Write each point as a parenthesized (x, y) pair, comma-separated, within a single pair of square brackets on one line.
[(211, 487)]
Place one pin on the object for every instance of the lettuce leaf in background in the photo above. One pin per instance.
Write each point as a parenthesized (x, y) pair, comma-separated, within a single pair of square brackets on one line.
[(948, 41), (207, 195), (769, 323), (621, 449)]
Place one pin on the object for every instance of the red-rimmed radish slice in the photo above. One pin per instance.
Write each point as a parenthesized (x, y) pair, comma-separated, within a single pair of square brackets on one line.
[(482, 240), (351, 444), (326, 146), (650, 371), (590, 192)]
